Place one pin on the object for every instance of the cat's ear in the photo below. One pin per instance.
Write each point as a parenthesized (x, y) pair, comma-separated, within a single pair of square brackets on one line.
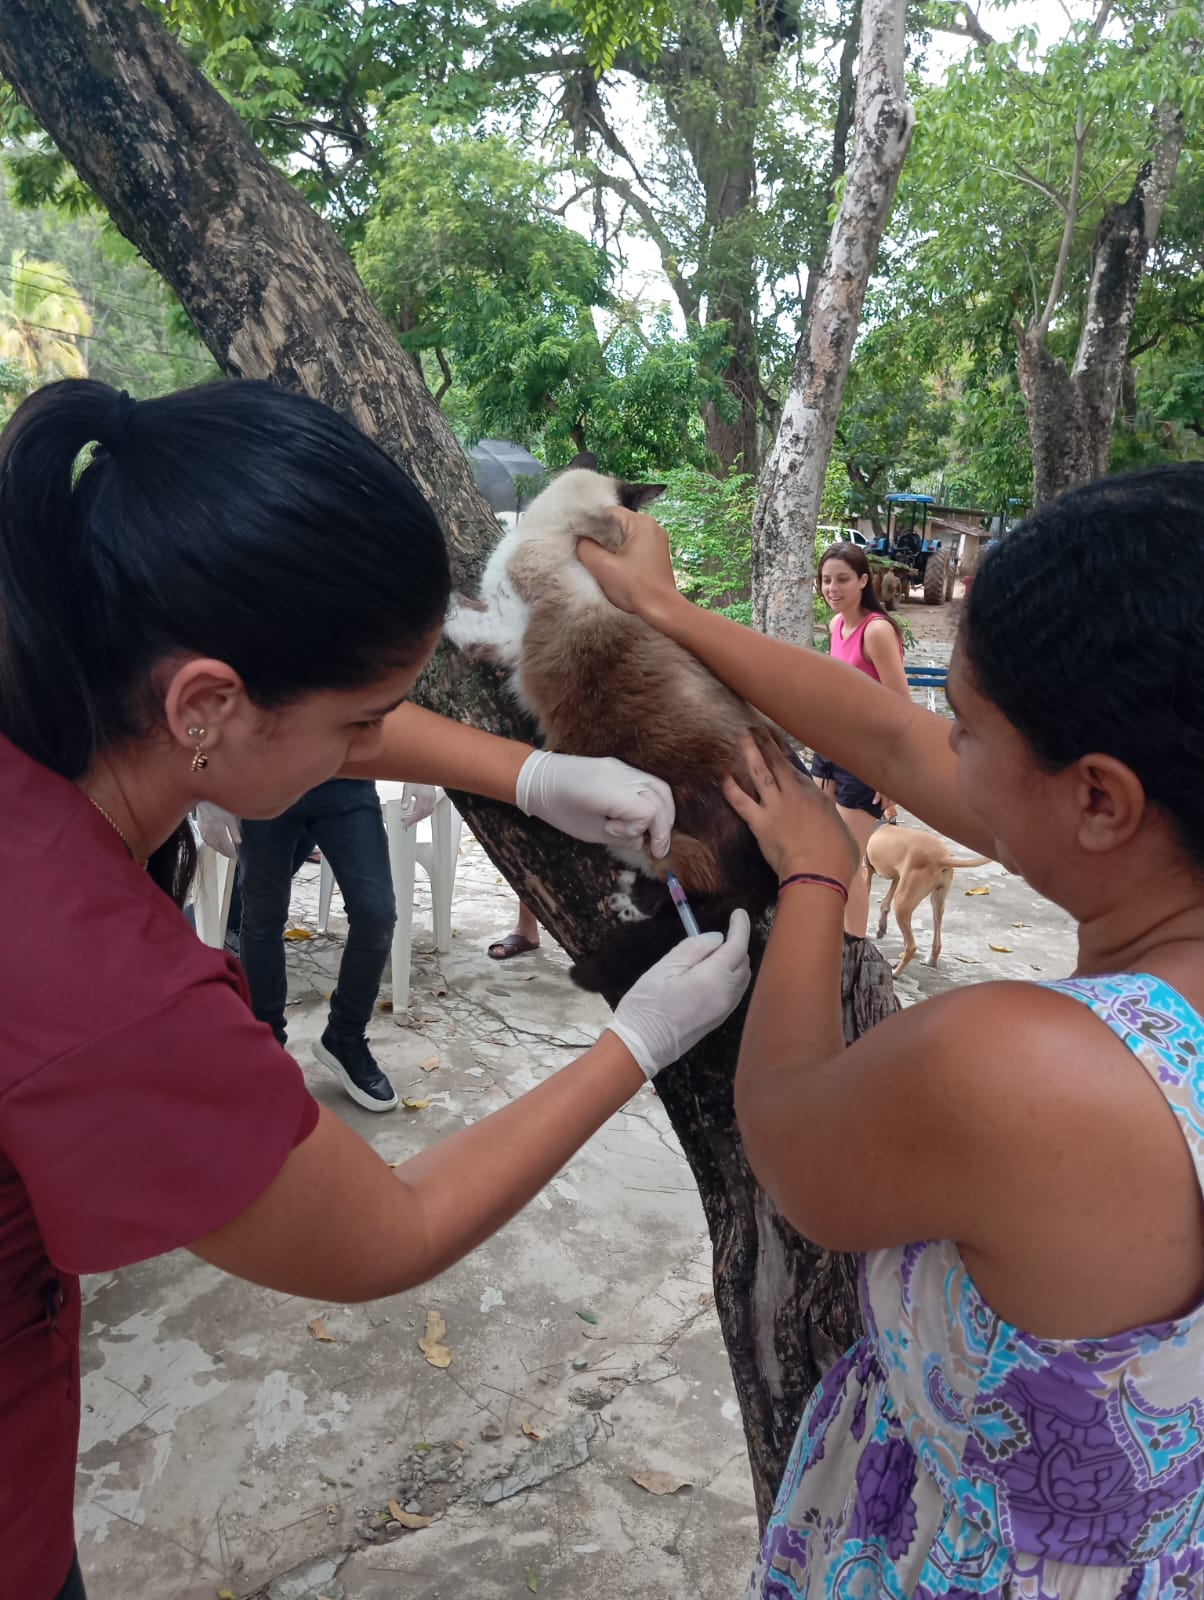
[(584, 458), (635, 496)]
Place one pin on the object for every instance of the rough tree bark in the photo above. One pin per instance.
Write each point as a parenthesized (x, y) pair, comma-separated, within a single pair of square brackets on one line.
[(1072, 411), (846, 101), (792, 484), (273, 295)]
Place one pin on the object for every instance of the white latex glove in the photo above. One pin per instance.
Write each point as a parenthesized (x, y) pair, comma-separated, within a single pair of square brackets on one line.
[(420, 797), (596, 799), (218, 829), (686, 994)]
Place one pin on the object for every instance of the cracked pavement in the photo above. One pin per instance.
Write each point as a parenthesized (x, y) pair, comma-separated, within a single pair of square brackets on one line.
[(224, 1448)]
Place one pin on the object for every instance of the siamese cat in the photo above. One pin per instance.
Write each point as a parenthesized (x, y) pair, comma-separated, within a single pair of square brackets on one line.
[(599, 682)]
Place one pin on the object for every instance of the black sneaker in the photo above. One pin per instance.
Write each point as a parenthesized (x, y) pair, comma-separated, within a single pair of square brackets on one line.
[(354, 1065)]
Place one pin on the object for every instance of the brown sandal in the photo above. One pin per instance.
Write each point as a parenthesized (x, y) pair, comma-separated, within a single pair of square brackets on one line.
[(514, 944)]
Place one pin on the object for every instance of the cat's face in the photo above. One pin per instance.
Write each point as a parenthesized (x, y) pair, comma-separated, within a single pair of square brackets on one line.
[(632, 496)]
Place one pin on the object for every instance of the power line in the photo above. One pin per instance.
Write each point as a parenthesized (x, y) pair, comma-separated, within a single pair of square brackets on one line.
[(66, 282), (138, 349)]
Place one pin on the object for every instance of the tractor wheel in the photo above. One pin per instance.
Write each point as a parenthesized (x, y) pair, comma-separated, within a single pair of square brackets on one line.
[(934, 578)]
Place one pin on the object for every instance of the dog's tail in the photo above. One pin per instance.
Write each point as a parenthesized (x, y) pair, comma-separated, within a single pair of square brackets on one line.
[(629, 949), (970, 861)]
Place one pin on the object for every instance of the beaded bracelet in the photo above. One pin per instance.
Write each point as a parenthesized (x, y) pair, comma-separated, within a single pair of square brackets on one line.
[(815, 877)]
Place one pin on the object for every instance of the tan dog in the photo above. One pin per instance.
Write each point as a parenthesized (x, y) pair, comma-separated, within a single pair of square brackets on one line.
[(918, 865)]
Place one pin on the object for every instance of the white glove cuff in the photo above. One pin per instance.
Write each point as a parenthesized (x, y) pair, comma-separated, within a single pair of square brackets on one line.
[(636, 1045), (526, 778)]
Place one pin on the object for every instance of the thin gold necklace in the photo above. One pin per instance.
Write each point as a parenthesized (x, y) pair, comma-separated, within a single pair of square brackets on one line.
[(129, 847)]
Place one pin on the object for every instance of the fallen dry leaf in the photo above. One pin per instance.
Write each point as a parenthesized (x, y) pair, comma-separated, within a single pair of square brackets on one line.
[(414, 1105), (436, 1353), (297, 933), (429, 1064), (226, 1594), (408, 1519), (971, 961), (660, 1482), (1001, 949), (384, 1005), (317, 1328), (1019, 924), (982, 889), (531, 1432)]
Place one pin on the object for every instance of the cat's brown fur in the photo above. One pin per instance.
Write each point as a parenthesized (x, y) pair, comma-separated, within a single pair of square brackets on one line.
[(600, 682)]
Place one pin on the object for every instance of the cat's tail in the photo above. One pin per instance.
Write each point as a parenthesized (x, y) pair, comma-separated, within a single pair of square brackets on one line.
[(628, 949)]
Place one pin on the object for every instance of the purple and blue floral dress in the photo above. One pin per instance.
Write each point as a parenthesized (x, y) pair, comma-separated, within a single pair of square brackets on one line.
[(951, 1454)]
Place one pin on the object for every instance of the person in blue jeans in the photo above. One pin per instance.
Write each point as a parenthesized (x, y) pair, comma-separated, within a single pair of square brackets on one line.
[(342, 817)]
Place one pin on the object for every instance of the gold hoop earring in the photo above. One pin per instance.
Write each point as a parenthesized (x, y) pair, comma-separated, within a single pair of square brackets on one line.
[(199, 759)]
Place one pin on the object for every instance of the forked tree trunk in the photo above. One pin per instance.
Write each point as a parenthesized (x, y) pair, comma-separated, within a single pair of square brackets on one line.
[(792, 485), (273, 295), (1072, 412)]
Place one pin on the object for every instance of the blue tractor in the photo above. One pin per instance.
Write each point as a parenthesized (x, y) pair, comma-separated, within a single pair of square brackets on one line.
[(917, 558)]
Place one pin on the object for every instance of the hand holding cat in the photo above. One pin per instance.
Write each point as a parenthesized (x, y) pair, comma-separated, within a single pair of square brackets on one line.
[(686, 994), (639, 576), (797, 827), (596, 799)]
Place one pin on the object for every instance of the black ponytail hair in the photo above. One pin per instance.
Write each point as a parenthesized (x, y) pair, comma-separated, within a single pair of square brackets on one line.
[(1085, 627), (235, 520), (854, 556)]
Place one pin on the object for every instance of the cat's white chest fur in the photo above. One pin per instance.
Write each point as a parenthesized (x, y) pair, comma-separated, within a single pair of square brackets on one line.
[(538, 555), (503, 622)]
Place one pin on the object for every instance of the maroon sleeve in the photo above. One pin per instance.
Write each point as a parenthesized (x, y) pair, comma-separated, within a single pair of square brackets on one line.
[(157, 1133)]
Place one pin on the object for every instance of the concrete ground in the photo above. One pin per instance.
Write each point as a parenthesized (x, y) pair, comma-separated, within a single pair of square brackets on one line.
[(225, 1448), (233, 1446)]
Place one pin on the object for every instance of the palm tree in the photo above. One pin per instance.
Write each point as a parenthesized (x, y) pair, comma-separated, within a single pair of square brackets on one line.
[(42, 318)]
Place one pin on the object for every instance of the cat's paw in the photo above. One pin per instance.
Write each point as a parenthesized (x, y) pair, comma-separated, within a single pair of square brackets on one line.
[(465, 622)]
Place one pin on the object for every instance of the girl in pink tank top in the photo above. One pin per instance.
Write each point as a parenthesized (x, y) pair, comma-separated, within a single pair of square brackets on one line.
[(865, 637)]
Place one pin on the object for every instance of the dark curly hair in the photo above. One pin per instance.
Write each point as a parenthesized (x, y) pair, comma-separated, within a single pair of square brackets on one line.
[(1085, 627)]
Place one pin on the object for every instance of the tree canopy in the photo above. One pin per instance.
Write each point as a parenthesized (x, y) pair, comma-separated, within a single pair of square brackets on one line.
[(504, 173)]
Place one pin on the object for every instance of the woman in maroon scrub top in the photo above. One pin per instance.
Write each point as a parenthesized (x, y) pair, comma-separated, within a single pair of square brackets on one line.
[(222, 595)]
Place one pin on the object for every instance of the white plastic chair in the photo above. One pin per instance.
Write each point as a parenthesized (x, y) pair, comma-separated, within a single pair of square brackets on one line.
[(437, 857), (211, 891)]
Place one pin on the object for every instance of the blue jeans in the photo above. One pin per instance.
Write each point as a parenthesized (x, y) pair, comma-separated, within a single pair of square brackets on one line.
[(301, 855), (343, 819)]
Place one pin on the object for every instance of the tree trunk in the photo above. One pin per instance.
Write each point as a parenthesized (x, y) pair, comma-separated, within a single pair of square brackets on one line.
[(866, 483), (719, 130), (846, 100), (1071, 413), (273, 295), (793, 482)]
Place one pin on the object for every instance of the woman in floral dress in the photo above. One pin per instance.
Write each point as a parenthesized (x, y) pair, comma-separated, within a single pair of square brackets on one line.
[(1019, 1165)]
